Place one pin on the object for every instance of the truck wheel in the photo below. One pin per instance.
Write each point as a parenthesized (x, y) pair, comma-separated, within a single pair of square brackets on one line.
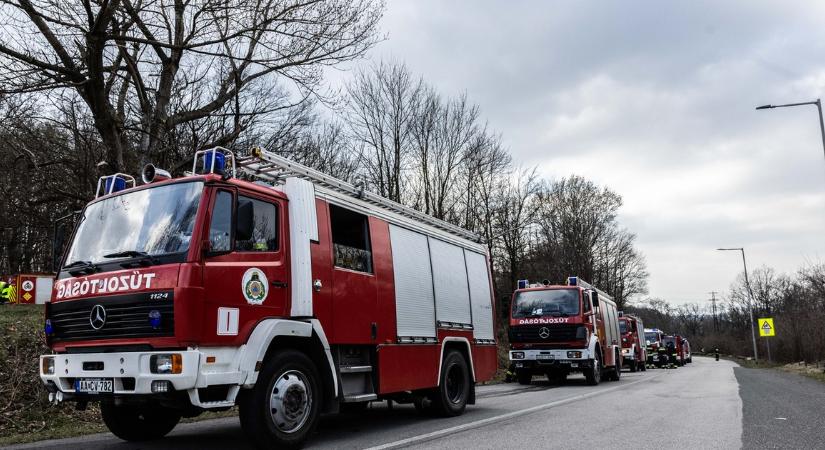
[(633, 366), (138, 423), (450, 398), (525, 377), (642, 366), (616, 372), (593, 375), (284, 406)]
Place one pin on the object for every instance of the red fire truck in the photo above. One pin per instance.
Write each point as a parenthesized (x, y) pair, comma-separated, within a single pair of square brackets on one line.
[(556, 330), (290, 295), (675, 348), (656, 353), (634, 350), (688, 357)]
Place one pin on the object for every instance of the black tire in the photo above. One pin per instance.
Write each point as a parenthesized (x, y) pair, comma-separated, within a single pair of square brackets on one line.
[(616, 373), (525, 377), (138, 423), (288, 422), (593, 375), (643, 367), (450, 399), (634, 366)]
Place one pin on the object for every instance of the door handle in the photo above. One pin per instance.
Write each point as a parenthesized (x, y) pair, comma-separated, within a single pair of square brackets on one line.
[(279, 284)]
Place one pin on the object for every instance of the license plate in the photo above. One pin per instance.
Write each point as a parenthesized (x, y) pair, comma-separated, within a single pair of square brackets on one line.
[(94, 385), (544, 357)]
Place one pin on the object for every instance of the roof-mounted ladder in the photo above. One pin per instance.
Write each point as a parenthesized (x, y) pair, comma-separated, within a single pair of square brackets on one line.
[(268, 166)]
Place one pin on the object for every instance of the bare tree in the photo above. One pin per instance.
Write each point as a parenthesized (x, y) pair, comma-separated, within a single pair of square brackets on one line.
[(148, 67), (382, 104)]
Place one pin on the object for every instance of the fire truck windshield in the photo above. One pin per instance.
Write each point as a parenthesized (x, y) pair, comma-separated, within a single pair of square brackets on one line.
[(622, 326), (651, 337), (550, 302), (149, 222)]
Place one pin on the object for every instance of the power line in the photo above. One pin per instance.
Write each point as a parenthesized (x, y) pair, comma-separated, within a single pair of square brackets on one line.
[(713, 305)]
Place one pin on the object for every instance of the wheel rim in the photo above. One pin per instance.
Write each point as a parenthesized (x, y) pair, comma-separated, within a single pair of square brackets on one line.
[(455, 384), (290, 401)]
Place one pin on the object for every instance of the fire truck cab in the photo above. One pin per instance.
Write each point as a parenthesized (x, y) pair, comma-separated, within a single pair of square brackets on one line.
[(291, 295), (656, 353), (634, 350), (556, 330)]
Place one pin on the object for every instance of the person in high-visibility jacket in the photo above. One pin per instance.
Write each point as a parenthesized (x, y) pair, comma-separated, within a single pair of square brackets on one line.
[(5, 291)]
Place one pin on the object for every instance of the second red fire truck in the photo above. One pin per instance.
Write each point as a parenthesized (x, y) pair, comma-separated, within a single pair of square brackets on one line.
[(634, 350), (556, 330), (290, 296)]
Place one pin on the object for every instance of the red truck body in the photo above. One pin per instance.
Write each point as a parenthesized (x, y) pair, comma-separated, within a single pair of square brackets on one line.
[(634, 350), (379, 301), (556, 330)]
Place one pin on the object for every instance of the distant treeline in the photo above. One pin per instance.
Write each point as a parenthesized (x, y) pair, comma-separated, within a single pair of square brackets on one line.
[(796, 303)]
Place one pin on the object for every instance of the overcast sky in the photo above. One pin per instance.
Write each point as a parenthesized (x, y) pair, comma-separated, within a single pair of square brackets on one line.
[(655, 100)]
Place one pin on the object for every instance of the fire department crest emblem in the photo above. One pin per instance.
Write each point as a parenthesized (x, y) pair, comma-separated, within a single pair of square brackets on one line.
[(254, 286)]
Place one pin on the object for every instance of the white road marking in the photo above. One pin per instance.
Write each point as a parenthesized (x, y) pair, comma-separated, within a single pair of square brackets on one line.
[(510, 415)]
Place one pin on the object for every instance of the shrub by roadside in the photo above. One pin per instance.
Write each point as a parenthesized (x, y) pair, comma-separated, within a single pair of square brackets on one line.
[(25, 412)]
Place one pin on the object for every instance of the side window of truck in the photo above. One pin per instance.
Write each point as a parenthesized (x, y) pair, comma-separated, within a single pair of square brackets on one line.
[(220, 230), (265, 228), (350, 239)]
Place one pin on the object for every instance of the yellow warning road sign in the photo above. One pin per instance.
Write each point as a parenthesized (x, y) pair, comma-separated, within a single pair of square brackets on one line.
[(766, 328)]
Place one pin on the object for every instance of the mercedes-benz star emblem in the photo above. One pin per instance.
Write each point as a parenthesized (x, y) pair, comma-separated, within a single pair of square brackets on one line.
[(544, 332), (98, 317)]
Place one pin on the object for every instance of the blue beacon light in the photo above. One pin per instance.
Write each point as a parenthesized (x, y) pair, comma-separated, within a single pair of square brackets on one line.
[(154, 318)]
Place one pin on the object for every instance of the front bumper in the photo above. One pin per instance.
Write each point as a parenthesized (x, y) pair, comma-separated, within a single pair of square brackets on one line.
[(130, 371), (132, 375), (573, 358)]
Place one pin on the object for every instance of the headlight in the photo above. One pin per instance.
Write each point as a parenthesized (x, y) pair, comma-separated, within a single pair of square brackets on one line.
[(166, 363), (47, 365), (516, 355), (574, 354)]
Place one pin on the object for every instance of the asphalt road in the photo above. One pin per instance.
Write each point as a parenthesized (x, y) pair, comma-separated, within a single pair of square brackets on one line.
[(707, 404), (781, 410)]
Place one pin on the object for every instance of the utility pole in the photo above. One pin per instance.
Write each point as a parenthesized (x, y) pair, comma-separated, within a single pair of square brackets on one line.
[(713, 305)]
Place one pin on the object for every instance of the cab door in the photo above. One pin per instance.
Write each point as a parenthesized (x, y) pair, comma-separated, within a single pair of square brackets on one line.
[(246, 269)]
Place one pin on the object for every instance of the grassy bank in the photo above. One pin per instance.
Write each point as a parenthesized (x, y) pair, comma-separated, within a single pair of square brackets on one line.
[(25, 413)]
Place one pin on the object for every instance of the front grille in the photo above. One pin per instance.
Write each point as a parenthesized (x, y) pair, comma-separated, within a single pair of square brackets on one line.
[(532, 333), (127, 316)]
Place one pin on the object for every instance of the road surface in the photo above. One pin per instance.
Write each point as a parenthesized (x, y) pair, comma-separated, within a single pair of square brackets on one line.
[(707, 404)]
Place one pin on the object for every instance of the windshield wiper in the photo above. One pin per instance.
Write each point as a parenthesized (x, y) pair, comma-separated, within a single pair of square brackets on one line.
[(145, 258), (81, 268), (127, 254)]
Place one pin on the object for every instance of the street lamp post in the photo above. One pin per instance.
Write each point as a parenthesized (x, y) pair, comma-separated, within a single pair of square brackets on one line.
[(818, 108), (750, 297)]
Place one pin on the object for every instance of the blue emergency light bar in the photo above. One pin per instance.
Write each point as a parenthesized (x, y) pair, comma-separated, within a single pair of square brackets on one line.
[(522, 284), (215, 161), (114, 183)]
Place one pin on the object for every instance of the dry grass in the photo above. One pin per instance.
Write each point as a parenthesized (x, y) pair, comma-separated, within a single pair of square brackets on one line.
[(815, 370)]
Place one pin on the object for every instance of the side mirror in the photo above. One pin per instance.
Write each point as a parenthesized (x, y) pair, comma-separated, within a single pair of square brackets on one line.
[(595, 297), (245, 221)]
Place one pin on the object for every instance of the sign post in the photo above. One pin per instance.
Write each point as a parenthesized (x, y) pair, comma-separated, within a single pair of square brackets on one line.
[(766, 330)]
